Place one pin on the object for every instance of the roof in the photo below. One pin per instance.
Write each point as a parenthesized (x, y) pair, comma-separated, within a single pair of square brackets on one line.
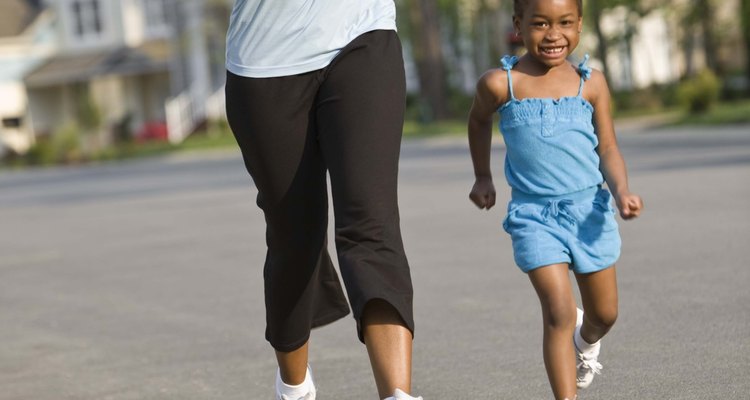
[(69, 68), (16, 16)]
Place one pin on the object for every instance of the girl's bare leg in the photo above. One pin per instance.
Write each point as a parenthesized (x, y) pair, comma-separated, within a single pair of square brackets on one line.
[(599, 297), (552, 285), (389, 345), (293, 365)]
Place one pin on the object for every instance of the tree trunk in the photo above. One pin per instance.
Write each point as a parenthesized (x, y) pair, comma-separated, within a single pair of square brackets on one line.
[(423, 16), (602, 47), (746, 35), (706, 15)]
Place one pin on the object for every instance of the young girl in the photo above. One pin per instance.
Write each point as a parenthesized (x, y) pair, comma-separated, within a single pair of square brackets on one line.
[(561, 147)]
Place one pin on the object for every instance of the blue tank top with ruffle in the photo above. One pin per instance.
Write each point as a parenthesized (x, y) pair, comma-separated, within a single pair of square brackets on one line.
[(551, 143)]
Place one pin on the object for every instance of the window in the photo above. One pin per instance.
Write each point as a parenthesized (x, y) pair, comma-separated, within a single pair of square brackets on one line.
[(155, 12), (14, 122), (87, 18)]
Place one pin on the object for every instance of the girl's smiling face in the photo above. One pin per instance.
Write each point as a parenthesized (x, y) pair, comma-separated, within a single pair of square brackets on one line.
[(550, 29)]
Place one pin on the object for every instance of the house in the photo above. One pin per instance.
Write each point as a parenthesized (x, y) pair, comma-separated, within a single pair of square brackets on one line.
[(641, 52), (659, 48), (26, 39), (126, 66)]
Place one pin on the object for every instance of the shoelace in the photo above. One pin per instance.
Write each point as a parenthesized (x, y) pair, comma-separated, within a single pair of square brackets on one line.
[(592, 365)]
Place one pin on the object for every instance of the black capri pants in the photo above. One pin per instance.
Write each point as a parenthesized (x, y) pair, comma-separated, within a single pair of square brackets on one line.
[(345, 119)]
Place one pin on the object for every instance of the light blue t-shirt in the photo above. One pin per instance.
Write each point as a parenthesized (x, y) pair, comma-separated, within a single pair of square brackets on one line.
[(269, 38)]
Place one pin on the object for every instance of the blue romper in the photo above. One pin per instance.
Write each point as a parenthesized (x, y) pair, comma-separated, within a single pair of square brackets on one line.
[(559, 212)]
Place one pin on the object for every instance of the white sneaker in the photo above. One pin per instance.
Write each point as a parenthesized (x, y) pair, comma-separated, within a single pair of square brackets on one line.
[(308, 396), (401, 395), (587, 364), (308, 383)]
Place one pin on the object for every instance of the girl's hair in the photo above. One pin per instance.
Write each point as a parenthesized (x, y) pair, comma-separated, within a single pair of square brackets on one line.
[(519, 6)]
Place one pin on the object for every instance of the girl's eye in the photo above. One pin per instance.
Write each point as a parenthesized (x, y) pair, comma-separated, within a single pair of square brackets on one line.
[(539, 24), (567, 23)]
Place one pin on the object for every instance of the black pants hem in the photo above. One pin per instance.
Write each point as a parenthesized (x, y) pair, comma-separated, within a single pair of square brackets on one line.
[(317, 323)]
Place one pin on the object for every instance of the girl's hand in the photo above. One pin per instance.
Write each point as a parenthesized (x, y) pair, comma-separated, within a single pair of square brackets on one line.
[(483, 193), (630, 205)]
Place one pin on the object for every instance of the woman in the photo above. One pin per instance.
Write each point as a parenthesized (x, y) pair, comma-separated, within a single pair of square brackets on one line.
[(316, 86)]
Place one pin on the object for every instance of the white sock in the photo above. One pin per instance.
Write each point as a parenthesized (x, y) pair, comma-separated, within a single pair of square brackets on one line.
[(401, 395), (295, 391), (583, 346)]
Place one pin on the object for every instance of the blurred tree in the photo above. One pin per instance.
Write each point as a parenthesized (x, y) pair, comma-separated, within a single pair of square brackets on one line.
[(596, 10), (635, 11), (426, 40), (486, 24), (704, 12), (745, 17), (699, 16)]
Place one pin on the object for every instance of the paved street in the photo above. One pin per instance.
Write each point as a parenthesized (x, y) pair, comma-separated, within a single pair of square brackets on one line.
[(142, 280)]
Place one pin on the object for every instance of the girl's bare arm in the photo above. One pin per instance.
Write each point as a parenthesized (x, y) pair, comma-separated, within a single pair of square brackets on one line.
[(612, 163), (491, 92)]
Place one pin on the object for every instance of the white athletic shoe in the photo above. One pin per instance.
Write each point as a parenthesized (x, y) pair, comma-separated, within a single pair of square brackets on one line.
[(310, 395), (401, 395), (587, 367), (587, 364)]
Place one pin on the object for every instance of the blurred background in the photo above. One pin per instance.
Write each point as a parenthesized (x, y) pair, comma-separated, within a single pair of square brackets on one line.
[(84, 80)]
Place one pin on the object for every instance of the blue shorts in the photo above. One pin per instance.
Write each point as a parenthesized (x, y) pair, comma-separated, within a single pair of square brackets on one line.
[(577, 228)]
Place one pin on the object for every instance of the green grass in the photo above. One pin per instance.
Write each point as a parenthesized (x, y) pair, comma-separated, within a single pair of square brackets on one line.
[(736, 112), (649, 112), (219, 139), (223, 138), (197, 141), (451, 127), (202, 140)]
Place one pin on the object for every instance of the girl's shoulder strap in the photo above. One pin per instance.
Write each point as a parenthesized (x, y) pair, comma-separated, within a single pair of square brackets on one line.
[(508, 62), (585, 72)]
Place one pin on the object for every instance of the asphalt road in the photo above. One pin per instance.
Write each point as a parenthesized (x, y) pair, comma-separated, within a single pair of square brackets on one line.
[(142, 280)]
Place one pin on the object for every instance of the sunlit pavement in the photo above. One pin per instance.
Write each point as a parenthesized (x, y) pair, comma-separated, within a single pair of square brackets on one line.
[(142, 280)]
